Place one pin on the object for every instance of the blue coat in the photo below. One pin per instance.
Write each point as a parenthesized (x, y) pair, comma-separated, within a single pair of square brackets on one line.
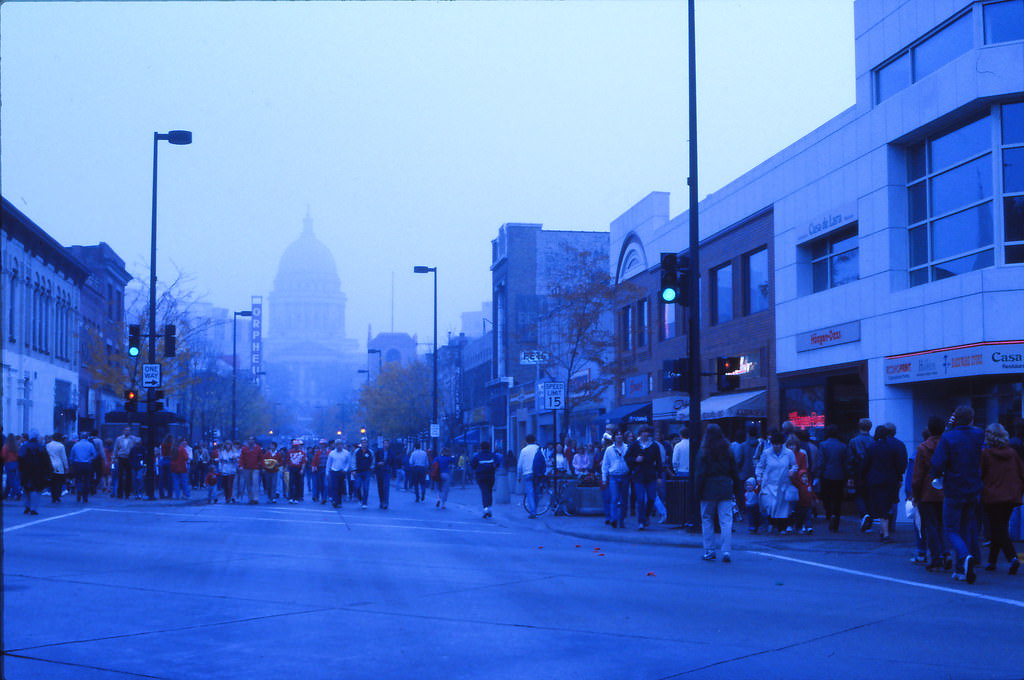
[(957, 461)]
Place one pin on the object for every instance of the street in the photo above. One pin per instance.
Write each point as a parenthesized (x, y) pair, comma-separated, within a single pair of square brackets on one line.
[(175, 591)]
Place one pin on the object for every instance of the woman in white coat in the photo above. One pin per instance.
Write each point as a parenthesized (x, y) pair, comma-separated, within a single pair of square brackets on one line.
[(774, 472)]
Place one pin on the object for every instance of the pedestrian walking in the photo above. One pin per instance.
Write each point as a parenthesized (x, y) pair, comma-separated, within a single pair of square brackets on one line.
[(1002, 474), (34, 471), (364, 470), (12, 485), (956, 469), (122, 457), (59, 466), (227, 465), (444, 463), (382, 474), (717, 484), (485, 465), (296, 461), (774, 477), (928, 499), (339, 464), (83, 455), (884, 466), (273, 459), (418, 462), (833, 476), (644, 460), (530, 473)]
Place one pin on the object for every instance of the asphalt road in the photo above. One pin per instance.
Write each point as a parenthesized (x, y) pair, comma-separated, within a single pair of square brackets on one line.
[(175, 591)]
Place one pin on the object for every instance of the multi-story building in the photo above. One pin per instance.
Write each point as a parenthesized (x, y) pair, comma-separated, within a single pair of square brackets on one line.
[(898, 227), (42, 290), (525, 260), (103, 335)]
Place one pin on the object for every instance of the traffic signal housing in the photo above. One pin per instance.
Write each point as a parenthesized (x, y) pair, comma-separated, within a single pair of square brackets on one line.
[(676, 375), (131, 401), (170, 340), (134, 340), (727, 369), (156, 401), (670, 289)]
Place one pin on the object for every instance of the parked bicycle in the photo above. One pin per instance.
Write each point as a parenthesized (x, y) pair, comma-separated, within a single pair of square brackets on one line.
[(554, 494)]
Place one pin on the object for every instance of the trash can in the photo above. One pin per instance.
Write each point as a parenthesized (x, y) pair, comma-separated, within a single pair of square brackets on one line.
[(677, 502), (501, 490)]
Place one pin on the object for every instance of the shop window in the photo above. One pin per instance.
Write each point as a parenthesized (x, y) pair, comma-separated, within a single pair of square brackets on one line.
[(1004, 21), (626, 327), (643, 322), (835, 259), (755, 275), (721, 304)]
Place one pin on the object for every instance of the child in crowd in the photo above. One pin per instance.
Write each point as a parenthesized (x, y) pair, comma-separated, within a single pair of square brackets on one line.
[(753, 512), (211, 484)]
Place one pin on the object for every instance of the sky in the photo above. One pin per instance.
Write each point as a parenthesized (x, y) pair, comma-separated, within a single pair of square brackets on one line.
[(410, 131)]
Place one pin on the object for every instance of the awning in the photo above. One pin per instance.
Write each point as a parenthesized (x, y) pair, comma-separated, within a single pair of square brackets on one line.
[(739, 405), (157, 418), (630, 413)]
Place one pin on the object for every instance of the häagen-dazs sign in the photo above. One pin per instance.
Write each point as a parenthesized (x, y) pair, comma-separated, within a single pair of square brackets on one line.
[(826, 337), (979, 358)]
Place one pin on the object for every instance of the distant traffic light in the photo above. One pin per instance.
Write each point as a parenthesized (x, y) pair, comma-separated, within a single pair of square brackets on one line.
[(156, 401), (170, 340), (131, 401), (134, 340), (669, 277), (727, 369)]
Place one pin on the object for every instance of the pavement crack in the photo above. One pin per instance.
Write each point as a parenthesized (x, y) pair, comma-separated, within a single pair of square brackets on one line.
[(87, 666)]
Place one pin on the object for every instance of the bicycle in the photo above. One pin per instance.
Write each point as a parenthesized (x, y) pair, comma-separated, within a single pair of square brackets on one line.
[(552, 495)]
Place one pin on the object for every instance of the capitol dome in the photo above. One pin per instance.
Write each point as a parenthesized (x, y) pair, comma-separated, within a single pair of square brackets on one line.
[(307, 265)]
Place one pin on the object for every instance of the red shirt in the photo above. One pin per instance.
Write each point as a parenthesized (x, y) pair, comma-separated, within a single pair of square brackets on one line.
[(251, 458), (179, 461)]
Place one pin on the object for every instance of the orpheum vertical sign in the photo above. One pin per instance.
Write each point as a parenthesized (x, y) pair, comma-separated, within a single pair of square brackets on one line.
[(256, 339)]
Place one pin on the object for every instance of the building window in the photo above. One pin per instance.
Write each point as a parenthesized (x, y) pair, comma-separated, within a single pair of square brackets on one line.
[(721, 304), (643, 322), (834, 259), (626, 321), (1012, 136), (755, 274), (925, 56), (1004, 21), (671, 321)]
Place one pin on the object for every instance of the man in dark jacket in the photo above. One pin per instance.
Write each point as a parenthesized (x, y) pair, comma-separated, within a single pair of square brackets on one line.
[(644, 460), (34, 468), (382, 473), (858, 449), (956, 468), (833, 475)]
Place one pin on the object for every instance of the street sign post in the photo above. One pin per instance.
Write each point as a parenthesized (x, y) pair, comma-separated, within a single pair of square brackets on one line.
[(435, 430), (552, 396), (151, 375)]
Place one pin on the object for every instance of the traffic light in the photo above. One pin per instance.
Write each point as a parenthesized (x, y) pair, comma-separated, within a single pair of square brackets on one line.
[(156, 401), (683, 279), (669, 277), (131, 400), (170, 340), (676, 375), (726, 369), (134, 340)]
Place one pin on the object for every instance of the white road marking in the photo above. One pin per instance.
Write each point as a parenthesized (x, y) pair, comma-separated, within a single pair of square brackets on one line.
[(879, 577), (46, 519)]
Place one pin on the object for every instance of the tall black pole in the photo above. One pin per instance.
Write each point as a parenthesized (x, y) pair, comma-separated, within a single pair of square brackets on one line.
[(436, 442), (234, 375), (693, 283), (150, 455)]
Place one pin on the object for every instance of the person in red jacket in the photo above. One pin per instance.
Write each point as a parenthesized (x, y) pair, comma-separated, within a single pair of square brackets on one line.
[(179, 471), (1002, 475), (295, 460), (251, 463), (928, 499)]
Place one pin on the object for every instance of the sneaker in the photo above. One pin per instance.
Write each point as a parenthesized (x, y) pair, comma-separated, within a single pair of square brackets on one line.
[(991, 566), (865, 522), (1014, 566), (919, 558), (709, 555), (725, 558), (969, 574), (363, 506)]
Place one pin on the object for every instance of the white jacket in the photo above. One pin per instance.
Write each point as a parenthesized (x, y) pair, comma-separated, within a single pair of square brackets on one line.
[(525, 466)]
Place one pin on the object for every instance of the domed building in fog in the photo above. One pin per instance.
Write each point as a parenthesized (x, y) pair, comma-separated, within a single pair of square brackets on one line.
[(311, 363)]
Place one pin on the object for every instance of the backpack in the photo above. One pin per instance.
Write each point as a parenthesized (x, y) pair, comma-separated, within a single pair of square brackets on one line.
[(540, 464)]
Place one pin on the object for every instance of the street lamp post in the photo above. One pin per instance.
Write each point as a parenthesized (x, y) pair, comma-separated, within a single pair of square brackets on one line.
[(234, 370), (419, 269), (178, 137)]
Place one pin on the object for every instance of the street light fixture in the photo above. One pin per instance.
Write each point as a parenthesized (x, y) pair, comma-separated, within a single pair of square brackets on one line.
[(177, 137), (420, 269), (380, 359), (234, 370)]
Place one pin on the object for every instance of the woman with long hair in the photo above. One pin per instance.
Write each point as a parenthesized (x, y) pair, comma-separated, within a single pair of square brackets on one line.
[(1002, 474), (717, 482)]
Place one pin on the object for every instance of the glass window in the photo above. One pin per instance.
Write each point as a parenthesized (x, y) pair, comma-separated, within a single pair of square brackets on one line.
[(917, 202), (1013, 124), (1004, 21), (643, 322), (893, 77), (722, 305), (963, 265), (627, 327), (757, 282), (1014, 254), (1013, 218), (960, 144), (963, 231), (837, 261), (963, 185), (919, 246), (1013, 169), (671, 320), (943, 47), (915, 162)]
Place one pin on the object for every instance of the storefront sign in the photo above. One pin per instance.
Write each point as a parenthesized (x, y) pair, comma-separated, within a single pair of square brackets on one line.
[(827, 337), (636, 386), (823, 224), (980, 358)]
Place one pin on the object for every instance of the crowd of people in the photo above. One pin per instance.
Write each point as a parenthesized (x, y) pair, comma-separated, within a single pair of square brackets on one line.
[(961, 484)]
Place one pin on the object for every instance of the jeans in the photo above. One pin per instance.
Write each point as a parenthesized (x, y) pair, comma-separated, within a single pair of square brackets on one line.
[(363, 481), (960, 522), (708, 510), (164, 477), (644, 492), (83, 480), (270, 484), (318, 484), (252, 484), (335, 482), (295, 484), (32, 499), (931, 527), (618, 488), (56, 486), (486, 483), (228, 482), (531, 494), (418, 480), (12, 487), (180, 485), (443, 486), (999, 531), (124, 477), (383, 486)]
